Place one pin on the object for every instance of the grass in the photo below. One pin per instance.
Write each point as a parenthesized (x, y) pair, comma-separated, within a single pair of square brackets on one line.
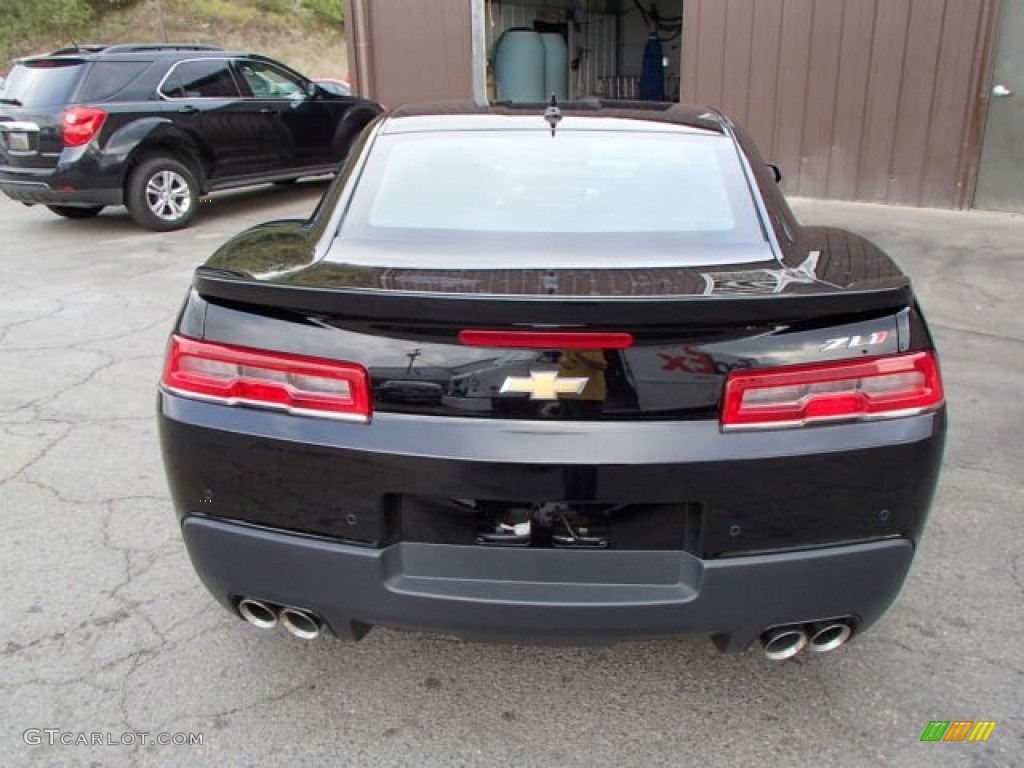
[(305, 34)]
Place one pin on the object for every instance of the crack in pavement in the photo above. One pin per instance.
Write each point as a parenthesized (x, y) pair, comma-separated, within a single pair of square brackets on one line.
[(976, 332), (43, 401), (1015, 571), (5, 328), (165, 319), (974, 468), (19, 474), (225, 713)]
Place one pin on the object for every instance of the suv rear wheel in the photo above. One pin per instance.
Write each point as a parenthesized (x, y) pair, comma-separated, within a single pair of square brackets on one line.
[(75, 212), (162, 194)]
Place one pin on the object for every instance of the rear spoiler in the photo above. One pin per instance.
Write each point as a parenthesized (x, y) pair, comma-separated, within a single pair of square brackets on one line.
[(800, 303)]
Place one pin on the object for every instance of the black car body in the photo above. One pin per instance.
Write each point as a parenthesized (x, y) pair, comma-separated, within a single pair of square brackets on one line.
[(154, 127), (567, 379)]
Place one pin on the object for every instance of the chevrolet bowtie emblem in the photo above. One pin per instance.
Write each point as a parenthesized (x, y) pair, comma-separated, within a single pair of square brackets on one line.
[(544, 385)]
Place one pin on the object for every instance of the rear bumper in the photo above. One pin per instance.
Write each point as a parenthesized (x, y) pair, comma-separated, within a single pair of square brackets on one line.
[(348, 520), (545, 595), (41, 193), (82, 176)]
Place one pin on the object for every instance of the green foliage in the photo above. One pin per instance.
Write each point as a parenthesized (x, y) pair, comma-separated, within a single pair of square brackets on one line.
[(330, 10), (102, 6), (33, 26), (274, 6), (29, 18), (41, 17)]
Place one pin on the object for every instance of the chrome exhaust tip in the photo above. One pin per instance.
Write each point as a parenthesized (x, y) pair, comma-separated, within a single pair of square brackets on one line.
[(780, 643), (256, 613), (829, 635), (300, 623)]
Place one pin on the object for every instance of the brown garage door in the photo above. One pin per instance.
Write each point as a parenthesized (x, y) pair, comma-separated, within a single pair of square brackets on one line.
[(874, 100), (407, 51)]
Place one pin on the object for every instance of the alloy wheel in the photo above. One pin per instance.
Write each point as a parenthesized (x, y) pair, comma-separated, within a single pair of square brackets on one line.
[(168, 195)]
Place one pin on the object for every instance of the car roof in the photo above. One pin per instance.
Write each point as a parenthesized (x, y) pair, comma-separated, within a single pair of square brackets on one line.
[(578, 115), (136, 52)]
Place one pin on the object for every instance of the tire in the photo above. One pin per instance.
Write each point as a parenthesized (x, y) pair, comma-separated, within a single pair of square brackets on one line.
[(73, 212), (162, 194), (347, 133)]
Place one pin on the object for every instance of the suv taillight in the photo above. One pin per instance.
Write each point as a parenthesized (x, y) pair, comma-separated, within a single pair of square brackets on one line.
[(853, 389), (307, 386), (81, 124)]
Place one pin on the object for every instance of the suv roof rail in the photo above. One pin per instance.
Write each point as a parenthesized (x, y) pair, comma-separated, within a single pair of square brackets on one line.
[(145, 47), (76, 48)]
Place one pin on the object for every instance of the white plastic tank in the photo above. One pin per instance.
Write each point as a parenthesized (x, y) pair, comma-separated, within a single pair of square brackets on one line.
[(519, 66), (556, 66)]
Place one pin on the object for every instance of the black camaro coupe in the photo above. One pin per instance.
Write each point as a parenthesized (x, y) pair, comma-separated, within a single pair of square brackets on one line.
[(568, 374)]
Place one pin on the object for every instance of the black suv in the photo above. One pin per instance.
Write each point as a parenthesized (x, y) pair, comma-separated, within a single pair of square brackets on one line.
[(154, 127)]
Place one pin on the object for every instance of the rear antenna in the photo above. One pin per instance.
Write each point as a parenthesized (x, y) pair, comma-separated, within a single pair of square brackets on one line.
[(553, 114)]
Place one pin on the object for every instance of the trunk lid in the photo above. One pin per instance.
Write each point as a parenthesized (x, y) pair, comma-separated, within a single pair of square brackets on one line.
[(688, 326)]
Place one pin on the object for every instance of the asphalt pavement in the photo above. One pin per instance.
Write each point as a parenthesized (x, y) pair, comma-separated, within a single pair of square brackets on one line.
[(107, 633)]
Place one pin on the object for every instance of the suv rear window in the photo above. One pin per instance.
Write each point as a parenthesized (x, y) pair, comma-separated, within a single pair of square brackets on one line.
[(45, 83), (106, 79)]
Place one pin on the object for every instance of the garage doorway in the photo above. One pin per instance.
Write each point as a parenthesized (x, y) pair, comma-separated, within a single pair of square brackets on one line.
[(619, 49), (1001, 175)]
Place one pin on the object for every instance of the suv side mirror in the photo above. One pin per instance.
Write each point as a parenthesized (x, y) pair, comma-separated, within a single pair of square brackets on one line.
[(776, 172), (312, 89)]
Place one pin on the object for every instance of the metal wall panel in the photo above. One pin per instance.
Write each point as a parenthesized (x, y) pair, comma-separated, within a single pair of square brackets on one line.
[(873, 100), (408, 51), (851, 99)]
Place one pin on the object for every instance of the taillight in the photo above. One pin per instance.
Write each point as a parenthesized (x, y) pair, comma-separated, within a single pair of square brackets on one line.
[(239, 376), (807, 394), (81, 124), (546, 339)]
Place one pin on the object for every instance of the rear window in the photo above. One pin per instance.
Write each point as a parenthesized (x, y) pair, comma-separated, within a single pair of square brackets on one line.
[(43, 83), (108, 79), (681, 188)]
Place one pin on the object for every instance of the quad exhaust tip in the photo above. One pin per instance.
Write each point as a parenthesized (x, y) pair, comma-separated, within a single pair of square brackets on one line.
[(257, 613), (828, 635), (781, 643), (300, 623)]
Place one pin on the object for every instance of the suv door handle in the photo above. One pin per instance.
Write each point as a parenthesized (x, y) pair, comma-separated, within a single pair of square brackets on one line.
[(189, 110), (270, 111)]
